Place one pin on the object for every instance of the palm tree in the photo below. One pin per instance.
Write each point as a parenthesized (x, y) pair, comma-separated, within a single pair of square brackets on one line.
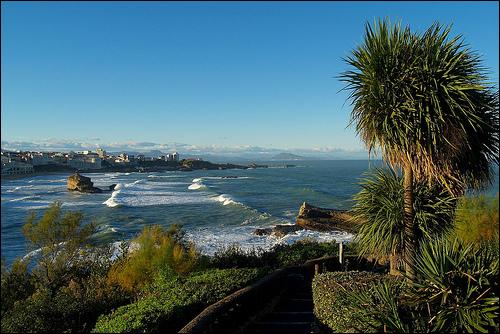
[(423, 100)]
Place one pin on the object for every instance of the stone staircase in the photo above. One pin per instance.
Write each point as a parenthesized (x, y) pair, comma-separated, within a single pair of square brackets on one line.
[(281, 302), (292, 312)]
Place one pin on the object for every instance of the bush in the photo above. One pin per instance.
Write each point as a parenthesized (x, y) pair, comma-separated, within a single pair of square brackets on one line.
[(155, 249), (476, 220), (74, 306), (279, 256), (332, 298), (168, 304), (60, 239), (67, 288), (17, 284), (300, 252), (456, 290)]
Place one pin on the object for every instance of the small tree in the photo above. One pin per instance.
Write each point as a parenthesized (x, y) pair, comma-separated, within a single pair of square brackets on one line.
[(155, 250), (58, 240)]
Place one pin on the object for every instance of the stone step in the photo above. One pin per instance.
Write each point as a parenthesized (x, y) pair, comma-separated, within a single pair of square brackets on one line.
[(304, 316), (294, 305), (277, 327)]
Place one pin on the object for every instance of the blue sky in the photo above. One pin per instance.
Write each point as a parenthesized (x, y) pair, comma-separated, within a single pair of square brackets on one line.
[(214, 76)]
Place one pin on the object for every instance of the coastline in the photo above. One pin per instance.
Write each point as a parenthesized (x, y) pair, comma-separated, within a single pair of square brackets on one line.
[(23, 176), (184, 166)]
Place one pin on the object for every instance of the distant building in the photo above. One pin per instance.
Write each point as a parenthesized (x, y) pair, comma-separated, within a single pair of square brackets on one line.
[(82, 162), (5, 159), (38, 159), (140, 157), (175, 156), (16, 167), (101, 153)]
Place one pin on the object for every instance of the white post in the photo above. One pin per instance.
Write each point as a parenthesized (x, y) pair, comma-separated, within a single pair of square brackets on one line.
[(341, 251)]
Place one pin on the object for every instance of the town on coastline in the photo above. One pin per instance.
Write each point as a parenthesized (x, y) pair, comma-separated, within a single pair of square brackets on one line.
[(23, 163)]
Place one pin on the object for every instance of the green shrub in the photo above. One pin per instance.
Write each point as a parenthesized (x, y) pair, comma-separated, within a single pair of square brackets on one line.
[(67, 288), (477, 219), (156, 249), (279, 256), (301, 251), (17, 284), (61, 238), (234, 257), (332, 300), (168, 304), (456, 290)]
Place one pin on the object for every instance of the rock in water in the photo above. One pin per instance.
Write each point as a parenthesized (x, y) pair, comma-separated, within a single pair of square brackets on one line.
[(77, 182), (278, 231), (319, 219)]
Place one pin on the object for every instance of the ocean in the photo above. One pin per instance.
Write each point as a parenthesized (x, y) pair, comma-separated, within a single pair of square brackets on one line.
[(216, 208)]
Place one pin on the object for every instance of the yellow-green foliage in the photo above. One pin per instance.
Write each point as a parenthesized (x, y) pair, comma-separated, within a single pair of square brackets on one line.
[(60, 237), (170, 304), (477, 219), (157, 249)]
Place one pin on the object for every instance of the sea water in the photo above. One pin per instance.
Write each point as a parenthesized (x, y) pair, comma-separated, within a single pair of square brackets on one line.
[(216, 208)]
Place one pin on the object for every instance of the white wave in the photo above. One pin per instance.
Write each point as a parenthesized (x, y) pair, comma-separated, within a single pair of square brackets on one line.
[(24, 198), (164, 176), (138, 196), (72, 204), (111, 202), (133, 183), (226, 199), (103, 229), (229, 177), (210, 240), (19, 188), (196, 186)]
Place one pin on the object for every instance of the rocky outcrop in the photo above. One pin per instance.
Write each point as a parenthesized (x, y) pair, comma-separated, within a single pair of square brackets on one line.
[(319, 219), (278, 231), (315, 219), (77, 182)]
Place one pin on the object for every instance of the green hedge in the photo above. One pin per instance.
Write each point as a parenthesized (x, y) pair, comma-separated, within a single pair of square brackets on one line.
[(332, 304), (170, 304)]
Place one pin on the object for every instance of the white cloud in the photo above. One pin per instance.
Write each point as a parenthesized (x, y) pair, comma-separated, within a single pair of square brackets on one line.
[(237, 150)]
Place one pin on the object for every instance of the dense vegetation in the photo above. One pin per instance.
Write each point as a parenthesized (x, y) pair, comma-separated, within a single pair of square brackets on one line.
[(378, 207), (157, 281), (477, 219), (456, 290)]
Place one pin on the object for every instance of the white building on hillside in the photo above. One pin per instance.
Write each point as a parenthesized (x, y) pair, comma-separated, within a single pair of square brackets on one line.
[(82, 162)]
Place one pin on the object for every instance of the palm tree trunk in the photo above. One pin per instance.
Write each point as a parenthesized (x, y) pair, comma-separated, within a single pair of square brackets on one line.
[(393, 264), (410, 241)]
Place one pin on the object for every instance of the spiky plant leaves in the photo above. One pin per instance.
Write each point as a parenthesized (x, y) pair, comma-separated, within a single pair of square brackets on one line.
[(459, 285), (379, 208), (424, 100)]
